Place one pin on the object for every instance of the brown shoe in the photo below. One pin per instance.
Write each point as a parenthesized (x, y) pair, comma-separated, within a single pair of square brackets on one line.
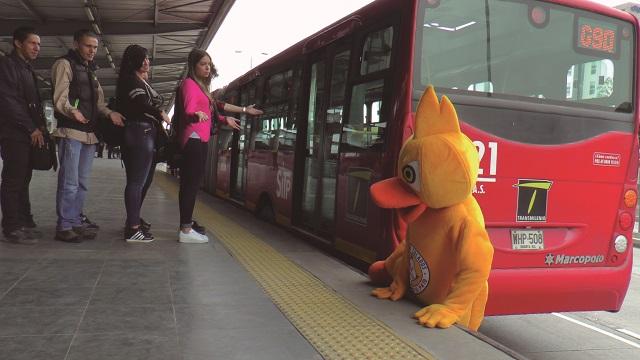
[(68, 236), (85, 233), (20, 237)]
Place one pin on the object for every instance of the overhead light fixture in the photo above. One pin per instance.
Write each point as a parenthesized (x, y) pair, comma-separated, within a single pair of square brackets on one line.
[(96, 28)]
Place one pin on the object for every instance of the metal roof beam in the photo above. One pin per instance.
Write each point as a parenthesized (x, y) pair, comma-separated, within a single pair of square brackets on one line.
[(214, 24), (31, 10), (67, 28), (155, 13), (45, 63), (183, 5)]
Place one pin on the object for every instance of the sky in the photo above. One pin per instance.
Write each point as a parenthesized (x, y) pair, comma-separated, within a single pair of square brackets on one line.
[(254, 28)]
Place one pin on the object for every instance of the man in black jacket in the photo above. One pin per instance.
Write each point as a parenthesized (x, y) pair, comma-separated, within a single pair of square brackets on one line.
[(21, 121)]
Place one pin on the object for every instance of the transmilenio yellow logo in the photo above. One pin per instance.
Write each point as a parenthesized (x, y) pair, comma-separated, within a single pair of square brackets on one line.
[(532, 200)]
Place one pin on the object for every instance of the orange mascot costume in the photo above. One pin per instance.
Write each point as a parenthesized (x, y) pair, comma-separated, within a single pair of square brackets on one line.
[(446, 257)]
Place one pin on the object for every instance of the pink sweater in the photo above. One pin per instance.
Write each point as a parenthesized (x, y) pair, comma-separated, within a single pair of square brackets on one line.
[(195, 100)]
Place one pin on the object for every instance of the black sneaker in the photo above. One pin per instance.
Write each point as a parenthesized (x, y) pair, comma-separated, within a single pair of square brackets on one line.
[(137, 235), (198, 228), (85, 232), (68, 236), (33, 233), (19, 237), (30, 223), (145, 225), (88, 223)]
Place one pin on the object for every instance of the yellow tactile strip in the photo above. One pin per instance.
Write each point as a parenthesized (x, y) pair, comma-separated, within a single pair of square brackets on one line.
[(333, 325)]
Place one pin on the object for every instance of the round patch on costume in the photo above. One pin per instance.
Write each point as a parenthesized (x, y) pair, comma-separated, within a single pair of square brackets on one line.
[(418, 271)]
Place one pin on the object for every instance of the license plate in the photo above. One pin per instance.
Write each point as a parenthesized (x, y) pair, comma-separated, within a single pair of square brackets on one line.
[(527, 239)]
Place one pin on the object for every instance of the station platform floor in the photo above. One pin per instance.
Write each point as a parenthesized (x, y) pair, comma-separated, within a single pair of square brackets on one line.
[(255, 291)]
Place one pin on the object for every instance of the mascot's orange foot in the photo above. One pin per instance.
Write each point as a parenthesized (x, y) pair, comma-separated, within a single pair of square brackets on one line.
[(394, 292)]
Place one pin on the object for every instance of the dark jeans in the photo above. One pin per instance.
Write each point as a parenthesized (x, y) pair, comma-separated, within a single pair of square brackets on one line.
[(138, 157), (194, 156), (14, 190)]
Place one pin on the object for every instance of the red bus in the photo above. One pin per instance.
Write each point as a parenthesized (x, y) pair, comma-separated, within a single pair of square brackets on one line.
[(547, 91)]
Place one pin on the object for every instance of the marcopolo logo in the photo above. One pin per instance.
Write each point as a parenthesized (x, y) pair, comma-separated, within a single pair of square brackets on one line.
[(562, 259), (532, 200)]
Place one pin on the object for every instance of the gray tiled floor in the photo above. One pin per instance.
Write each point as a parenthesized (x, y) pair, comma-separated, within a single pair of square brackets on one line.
[(105, 299)]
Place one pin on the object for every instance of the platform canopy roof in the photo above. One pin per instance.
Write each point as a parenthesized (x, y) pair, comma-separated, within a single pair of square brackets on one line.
[(169, 29)]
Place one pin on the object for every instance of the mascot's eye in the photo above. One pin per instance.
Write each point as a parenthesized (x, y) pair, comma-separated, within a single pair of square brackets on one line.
[(409, 174)]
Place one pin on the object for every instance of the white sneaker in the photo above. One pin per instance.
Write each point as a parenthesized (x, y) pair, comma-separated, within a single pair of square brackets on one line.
[(192, 237)]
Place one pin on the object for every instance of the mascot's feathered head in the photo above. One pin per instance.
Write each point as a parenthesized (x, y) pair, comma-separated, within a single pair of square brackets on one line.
[(438, 165)]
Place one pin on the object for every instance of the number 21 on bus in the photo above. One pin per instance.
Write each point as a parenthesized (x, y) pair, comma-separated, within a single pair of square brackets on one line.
[(490, 150)]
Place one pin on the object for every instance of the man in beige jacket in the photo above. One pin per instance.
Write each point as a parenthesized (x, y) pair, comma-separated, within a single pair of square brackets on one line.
[(78, 102)]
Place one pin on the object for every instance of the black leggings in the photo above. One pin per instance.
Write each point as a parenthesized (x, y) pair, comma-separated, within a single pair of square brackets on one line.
[(194, 156), (138, 157)]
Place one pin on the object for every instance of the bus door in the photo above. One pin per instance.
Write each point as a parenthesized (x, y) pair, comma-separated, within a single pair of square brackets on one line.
[(239, 156), (362, 147), (324, 125)]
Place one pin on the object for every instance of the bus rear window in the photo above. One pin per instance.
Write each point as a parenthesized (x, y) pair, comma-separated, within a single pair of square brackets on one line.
[(527, 50)]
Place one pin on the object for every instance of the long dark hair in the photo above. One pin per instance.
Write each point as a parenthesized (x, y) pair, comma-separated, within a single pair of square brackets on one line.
[(194, 58), (132, 60)]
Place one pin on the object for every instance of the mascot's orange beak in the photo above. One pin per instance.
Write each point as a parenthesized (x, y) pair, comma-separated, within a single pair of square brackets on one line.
[(393, 194)]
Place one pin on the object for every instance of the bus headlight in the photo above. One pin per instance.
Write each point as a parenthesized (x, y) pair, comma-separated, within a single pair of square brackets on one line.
[(620, 243)]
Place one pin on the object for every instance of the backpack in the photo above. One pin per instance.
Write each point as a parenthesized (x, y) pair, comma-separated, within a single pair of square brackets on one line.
[(107, 132)]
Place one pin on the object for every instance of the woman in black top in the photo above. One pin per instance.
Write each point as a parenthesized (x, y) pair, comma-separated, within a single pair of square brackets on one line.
[(140, 105)]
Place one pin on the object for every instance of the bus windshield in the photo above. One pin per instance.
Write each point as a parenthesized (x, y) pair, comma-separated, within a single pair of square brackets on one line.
[(525, 50)]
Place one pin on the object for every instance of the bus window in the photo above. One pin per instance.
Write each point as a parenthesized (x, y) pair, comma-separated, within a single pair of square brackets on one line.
[(376, 53), (365, 128), (276, 131), (338, 86), (590, 80), (263, 135), (224, 139), (544, 63), (279, 87)]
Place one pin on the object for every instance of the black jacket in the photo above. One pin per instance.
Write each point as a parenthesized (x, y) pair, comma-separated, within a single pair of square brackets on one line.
[(83, 89), (137, 101), (21, 109)]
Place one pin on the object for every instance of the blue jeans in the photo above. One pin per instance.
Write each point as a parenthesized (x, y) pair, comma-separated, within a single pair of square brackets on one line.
[(76, 160), (138, 156)]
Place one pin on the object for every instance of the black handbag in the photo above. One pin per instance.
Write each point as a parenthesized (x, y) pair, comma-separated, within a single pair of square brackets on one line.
[(162, 143), (109, 133), (44, 157)]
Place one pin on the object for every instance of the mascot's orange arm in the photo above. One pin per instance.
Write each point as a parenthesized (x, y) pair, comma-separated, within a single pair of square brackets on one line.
[(400, 272)]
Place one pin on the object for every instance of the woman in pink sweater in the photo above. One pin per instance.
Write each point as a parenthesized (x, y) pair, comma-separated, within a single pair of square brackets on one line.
[(198, 114)]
